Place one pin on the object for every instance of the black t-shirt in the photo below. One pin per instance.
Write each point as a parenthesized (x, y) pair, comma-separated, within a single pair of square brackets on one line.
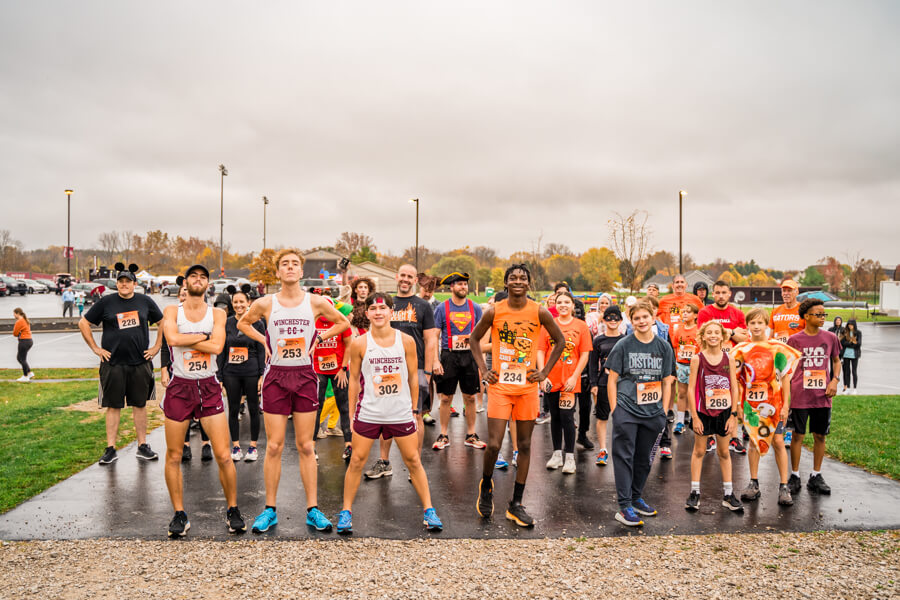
[(413, 316), (126, 326), (251, 353), (603, 345)]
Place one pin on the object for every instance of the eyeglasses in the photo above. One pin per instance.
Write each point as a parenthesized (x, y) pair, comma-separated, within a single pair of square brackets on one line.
[(817, 315)]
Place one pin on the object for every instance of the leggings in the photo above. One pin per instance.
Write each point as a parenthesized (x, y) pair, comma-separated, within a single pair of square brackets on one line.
[(849, 371), (584, 409), (341, 399), (203, 436), (22, 355), (235, 387), (562, 421)]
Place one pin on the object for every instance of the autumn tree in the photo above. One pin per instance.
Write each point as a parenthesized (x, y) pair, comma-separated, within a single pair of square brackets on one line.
[(600, 268), (262, 267), (553, 249), (560, 267), (485, 256), (497, 278), (833, 273), (630, 239), (349, 243), (812, 277), (449, 264)]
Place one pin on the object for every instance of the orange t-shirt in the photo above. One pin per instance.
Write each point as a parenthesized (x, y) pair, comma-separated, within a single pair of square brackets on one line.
[(22, 329), (514, 338), (685, 343), (670, 307), (785, 322), (578, 341)]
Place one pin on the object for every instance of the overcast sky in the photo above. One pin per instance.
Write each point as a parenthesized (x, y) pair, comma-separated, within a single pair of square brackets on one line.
[(510, 120)]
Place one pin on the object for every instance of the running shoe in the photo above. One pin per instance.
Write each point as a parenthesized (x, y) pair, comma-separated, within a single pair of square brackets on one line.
[(816, 484), (602, 458), (381, 468), (693, 502), (206, 453), (556, 460), (679, 429), (542, 418), (431, 520), (23, 379), (737, 447), (787, 438), (711, 443), (732, 503), (236, 453), (345, 522), (347, 453), (628, 517), (665, 452), (473, 441), (186, 454), (670, 416), (515, 460), (110, 456), (642, 508), (515, 512), (441, 442), (179, 525), (454, 412), (266, 520), (794, 484), (480, 408), (751, 492), (315, 518), (235, 520), (784, 496), (485, 503), (501, 462), (145, 452), (585, 443), (30, 375), (251, 455), (569, 465), (321, 433), (428, 419)]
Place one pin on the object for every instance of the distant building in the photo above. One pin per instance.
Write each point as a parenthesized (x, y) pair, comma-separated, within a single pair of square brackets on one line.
[(695, 276), (385, 279), (318, 260)]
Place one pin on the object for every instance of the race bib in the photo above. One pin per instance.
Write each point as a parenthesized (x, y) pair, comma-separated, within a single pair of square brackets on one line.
[(292, 348), (718, 398), (195, 362), (386, 384), (782, 337), (459, 342), (567, 399), (328, 363), (129, 319), (512, 373), (814, 379), (686, 352), (238, 356), (674, 319), (649, 392), (758, 392)]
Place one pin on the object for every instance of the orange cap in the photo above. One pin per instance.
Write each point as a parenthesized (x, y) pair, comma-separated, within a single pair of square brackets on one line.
[(790, 283)]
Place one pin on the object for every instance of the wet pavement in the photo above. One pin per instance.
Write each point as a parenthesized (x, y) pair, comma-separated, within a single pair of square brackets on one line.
[(129, 498)]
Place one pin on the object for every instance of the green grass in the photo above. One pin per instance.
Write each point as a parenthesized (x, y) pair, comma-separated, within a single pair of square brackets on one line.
[(865, 431), (92, 373), (41, 444)]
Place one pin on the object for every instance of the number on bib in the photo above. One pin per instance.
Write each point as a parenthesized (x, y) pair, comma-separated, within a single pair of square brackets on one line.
[(649, 392), (512, 373), (567, 399), (292, 348), (782, 337), (128, 319), (196, 362), (718, 398), (460, 342), (386, 384), (686, 352), (758, 392), (814, 379), (328, 363), (238, 356)]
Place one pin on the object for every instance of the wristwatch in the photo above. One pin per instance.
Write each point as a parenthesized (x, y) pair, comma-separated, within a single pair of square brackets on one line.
[(734, 413)]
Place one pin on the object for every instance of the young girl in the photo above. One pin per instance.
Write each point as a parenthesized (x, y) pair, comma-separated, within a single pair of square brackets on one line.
[(564, 380), (685, 345), (714, 392), (22, 330), (764, 371), (851, 341)]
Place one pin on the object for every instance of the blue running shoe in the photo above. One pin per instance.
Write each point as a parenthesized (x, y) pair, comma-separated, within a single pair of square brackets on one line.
[(642, 508), (315, 518), (628, 517), (501, 462), (515, 460), (602, 458), (431, 521), (787, 438), (345, 522), (679, 428), (264, 521)]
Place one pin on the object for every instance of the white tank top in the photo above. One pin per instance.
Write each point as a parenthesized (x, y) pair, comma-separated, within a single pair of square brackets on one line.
[(191, 364), (290, 333), (386, 397)]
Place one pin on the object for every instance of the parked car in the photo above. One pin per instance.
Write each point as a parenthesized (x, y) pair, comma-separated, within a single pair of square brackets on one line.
[(14, 286), (51, 285), (831, 301), (328, 286), (110, 285), (170, 290), (34, 287), (3, 290), (90, 291)]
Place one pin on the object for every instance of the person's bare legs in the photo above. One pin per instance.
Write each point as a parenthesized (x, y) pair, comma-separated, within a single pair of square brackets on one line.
[(523, 437), (444, 412), (469, 404), (175, 431), (275, 425), (216, 428), (361, 448), (304, 430), (724, 457), (112, 425), (410, 453)]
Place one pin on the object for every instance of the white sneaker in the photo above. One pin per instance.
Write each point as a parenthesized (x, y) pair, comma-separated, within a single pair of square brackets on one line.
[(23, 379), (569, 467), (854, 391), (236, 453), (322, 433), (556, 460), (30, 374)]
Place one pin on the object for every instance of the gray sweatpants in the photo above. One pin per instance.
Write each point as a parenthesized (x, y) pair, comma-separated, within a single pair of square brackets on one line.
[(632, 439)]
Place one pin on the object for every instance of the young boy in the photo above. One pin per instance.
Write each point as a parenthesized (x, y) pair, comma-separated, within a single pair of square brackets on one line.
[(685, 345), (603, 345)]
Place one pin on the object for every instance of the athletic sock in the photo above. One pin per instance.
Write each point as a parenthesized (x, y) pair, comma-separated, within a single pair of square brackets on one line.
[(814, 473), (756, 481), (729, 489), (795, 473), (518, 491), (272, 507), (695, 486)]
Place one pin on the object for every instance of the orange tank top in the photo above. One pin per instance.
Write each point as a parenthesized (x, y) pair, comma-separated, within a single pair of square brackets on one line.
[(514, 339)]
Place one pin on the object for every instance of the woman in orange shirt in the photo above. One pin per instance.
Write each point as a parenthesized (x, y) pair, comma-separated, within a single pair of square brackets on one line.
[(22, 330)]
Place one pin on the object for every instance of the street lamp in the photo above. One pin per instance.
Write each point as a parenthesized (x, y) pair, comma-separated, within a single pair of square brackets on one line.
[(224, 172), (265, 204), (681, 195), (416, 201), (69, 231)]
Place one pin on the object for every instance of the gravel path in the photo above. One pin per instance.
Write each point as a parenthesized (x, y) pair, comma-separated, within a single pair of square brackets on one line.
[(777, 565)]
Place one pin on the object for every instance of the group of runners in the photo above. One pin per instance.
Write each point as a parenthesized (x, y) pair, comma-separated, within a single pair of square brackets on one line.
[(664, 367)]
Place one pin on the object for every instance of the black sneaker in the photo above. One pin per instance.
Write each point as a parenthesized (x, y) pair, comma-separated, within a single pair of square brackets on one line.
[(585, 443), (817, 485), (206, 453), (348, 452), (693, 502), (145, 452), (485, 504), (186, 454), (110, 456), (234, 520), (515, 512), (179, 525), (732, 503), (794, 484), (737, 447), (670, 416)]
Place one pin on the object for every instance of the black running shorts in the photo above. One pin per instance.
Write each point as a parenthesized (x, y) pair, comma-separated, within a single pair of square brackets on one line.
[(459, 370), (121, 384), (819, 420)]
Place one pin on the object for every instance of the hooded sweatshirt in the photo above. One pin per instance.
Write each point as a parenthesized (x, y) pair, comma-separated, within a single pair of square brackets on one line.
[(700, 285), (851, 342)]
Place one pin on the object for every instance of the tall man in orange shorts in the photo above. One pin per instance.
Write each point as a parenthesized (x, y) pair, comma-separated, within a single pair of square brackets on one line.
[(515, 325)]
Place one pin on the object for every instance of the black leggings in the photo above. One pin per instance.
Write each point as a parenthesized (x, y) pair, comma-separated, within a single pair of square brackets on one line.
[(341, 399), (584, 409), (187, 434), (562, 421), (849, 371), (22, 355), (235, 387)]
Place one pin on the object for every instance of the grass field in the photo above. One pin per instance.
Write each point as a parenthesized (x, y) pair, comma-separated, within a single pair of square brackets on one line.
[(93, 373)]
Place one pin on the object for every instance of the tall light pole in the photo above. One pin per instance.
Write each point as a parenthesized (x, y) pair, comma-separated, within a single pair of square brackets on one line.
[(416, 201), (224, 172), (265, 204), (69, 231), (681, 195)]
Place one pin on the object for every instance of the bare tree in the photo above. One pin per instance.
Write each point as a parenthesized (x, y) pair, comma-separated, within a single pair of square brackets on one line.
[(484, 255), (10, 250), (349, 243), (110, 242), (629, 236), (553, 248)]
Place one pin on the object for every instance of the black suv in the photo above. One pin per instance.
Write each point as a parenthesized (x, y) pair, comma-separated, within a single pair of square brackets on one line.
[(14, 287)]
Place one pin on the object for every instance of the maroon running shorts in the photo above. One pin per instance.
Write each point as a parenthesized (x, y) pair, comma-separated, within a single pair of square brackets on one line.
[(286, 390), (385, 430), (192, 398)]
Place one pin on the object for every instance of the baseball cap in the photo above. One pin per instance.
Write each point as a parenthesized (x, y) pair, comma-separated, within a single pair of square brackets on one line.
[(790, 283), (193, 268)]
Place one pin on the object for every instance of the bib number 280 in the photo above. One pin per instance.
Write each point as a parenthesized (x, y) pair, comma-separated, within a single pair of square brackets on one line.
[(649, 392)]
